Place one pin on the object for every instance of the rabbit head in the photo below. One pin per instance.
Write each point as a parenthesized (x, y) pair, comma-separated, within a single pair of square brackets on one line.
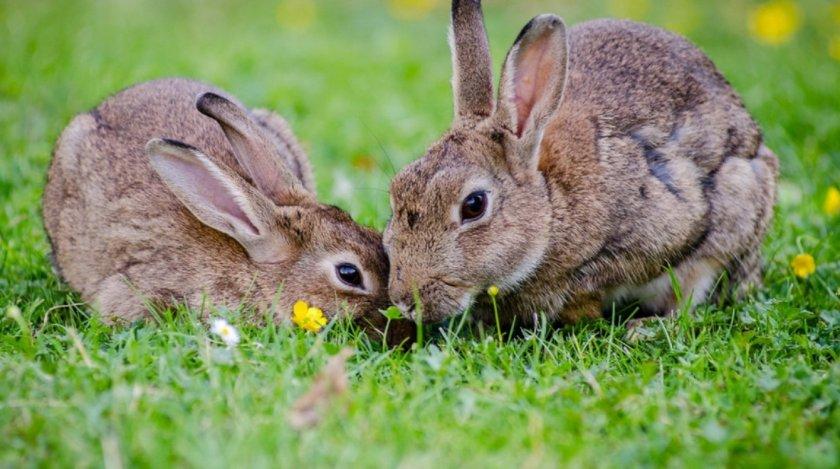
[(316, 252), (474, 210)]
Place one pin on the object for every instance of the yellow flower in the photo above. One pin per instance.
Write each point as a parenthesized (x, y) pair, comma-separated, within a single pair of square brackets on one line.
[(298, 15), (309, 318), (683, 16), (411, 9), (831, 206), (803, 265), (834, 47), (363, 162), (493, 290), (774, 22), (632, 9)]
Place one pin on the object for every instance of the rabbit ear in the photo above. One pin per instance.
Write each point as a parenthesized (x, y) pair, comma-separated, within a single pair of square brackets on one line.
[(533, 78), (472, 80), (218, 198), (255, 151)]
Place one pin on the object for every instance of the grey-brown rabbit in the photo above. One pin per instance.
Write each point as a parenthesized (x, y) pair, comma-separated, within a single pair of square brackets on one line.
[(612, 153), (135, 219)]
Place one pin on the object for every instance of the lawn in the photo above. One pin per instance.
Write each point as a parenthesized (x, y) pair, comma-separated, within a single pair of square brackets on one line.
[(365, 85)]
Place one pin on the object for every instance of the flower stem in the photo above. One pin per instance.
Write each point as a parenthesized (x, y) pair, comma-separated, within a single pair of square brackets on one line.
[(496, 315)]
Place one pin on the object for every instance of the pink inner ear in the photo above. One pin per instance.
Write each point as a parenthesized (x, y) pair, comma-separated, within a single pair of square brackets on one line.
[(532, 75), (206, 189)]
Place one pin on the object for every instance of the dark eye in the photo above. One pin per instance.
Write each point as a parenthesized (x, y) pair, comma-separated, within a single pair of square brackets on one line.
[(349, 274), (473, 206)]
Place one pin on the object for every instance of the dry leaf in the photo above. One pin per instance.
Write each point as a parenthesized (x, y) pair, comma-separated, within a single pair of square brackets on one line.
[(330, 384)]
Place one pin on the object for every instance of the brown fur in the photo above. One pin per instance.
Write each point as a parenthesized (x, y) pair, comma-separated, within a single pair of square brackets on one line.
[(122, 238), (649, 160)]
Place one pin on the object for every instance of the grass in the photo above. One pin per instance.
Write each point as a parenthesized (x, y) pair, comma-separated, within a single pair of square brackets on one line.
[(752, 383)]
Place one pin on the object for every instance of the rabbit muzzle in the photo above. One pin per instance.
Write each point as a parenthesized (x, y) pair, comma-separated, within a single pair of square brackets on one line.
[(431, 299)]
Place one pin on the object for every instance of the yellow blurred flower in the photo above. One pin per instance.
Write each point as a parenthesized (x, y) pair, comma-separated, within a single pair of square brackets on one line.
[(683, 16), (803, 265), (633, 9), (834, 47), (309, 318), (831, 206), (835, 12), (298, 15), (493, 290), (774, 22), (363, 162), (411, 9)]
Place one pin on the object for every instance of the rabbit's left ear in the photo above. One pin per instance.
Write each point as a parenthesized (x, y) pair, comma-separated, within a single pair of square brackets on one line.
[(255, 151), (219, 198), (472, 68), (532, 83)]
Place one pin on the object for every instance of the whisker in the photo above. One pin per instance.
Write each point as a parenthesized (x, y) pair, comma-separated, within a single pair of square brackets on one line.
[(384, 151)]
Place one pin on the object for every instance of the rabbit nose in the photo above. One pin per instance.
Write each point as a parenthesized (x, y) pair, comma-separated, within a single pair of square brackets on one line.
[(400, 293), (406, 308)]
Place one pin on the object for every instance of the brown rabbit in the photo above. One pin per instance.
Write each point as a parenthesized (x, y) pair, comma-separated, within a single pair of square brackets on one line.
[(612, 153), (135, 219)]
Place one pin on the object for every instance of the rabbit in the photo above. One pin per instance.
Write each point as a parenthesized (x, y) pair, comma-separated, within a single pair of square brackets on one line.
[(156, 198), (615, 156)]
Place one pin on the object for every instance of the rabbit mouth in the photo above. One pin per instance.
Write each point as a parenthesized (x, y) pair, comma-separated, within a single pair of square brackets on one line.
[(438, 299), (452, 299), (460, 295), (454, 282)]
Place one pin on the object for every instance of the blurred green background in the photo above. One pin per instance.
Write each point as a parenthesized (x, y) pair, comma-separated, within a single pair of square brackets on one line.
[(365, 86), (363, 81)]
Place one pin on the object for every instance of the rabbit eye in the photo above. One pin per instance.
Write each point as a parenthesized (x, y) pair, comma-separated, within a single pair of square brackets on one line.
[(473, 206), (349, 274)]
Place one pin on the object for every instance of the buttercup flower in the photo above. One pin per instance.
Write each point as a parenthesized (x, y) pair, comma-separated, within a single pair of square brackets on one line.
[(631, 9), (309, 318), (682, 16), (298, 15), (774, 22), (411, 9), (834, 47), (225, 331), (363, 162), (831, 206), (803, 265), (493, 290)]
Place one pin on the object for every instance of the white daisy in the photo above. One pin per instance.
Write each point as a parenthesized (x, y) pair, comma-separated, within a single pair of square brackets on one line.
[(228, 333)]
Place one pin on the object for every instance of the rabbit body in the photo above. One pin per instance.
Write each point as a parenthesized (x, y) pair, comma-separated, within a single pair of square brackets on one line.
[(123, 240), (615, 152), (659, 164)]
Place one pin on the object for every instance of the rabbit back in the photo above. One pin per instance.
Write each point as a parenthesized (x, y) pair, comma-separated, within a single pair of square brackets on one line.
[(641, 77), (673, 163), (116, 229)]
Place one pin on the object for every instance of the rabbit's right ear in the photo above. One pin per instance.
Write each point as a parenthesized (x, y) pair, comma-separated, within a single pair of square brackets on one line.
[(533, 79), (218, 198), (472, 67), (255, 151)]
